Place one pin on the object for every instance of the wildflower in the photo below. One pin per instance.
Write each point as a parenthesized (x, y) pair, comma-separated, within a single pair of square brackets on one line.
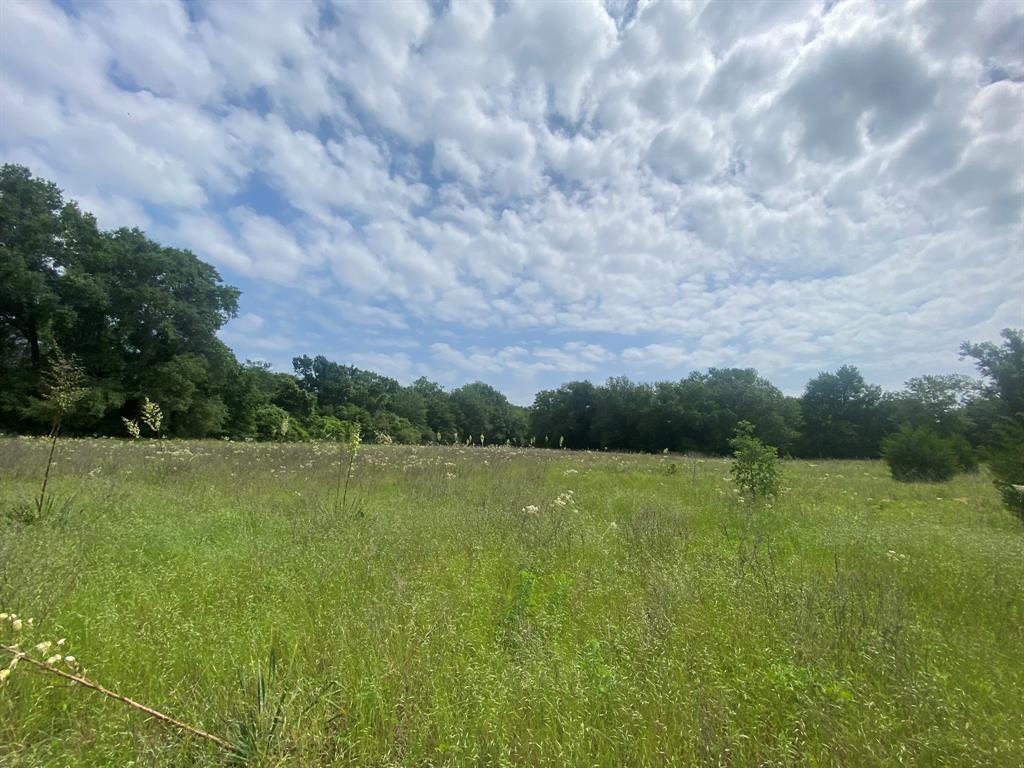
[(16, 625), (54, 659), (531, 509), (564, 500), (43, 647), (153, 417), (4, 674), (70, 660)]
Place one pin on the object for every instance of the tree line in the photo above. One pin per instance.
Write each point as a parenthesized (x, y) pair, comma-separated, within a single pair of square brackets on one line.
[(141, 321)]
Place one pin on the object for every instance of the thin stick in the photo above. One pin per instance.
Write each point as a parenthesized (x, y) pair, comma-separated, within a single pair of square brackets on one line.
[(49, 463), (337, 489), (222, 743), (348, 476)]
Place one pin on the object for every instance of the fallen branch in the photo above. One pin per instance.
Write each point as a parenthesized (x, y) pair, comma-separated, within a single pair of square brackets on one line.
[(222, 743)]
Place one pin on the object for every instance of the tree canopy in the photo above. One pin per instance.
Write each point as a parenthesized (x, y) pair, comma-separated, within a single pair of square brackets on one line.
[(140, 319)]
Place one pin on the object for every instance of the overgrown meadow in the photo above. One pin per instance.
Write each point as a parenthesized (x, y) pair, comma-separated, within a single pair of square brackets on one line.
[(499, 606)]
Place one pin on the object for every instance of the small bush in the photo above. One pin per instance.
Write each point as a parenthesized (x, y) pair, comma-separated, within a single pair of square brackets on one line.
[(966, 456), (1006, 460), (756, 468), (916, 454), (272, 422)]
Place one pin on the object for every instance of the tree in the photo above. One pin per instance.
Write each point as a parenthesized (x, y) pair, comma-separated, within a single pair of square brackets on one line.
[(1002, 367), (337, 385), (842, 417), (936, 402), (566, 412), (411, 406), (33, 256), (440, 418), (40, 235), (623, 411), (141, 318), (740, 394), (480, 409)]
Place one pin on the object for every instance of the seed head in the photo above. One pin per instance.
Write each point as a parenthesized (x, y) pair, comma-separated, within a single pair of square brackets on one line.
[(152, 416)]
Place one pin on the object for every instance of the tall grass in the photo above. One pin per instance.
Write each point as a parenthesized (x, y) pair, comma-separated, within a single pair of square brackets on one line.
[(478, 613)]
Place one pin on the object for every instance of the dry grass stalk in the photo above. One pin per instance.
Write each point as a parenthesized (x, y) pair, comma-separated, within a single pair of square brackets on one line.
[(167, 719)]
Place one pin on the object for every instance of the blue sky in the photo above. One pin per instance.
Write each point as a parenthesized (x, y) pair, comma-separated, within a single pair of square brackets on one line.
[(527, 193)]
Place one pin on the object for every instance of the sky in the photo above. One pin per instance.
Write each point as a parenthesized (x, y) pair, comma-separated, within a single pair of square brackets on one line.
[(527, 193)]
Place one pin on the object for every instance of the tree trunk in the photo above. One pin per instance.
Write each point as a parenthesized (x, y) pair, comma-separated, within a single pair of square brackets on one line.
[(33, 343)]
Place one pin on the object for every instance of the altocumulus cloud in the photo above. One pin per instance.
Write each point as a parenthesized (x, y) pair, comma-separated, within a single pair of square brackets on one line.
[(525, 191)]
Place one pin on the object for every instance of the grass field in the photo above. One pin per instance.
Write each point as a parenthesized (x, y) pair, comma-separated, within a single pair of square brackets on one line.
[(493, 606)]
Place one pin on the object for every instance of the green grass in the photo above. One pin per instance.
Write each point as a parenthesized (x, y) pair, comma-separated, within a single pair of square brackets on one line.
[(657, 619)]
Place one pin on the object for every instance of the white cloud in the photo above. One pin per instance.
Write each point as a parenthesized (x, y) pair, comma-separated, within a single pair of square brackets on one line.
[(790, 185)]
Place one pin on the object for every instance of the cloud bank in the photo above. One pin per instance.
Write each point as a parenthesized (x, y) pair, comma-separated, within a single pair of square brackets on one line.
[(527, 192)]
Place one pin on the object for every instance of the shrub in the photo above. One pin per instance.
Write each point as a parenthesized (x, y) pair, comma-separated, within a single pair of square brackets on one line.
[(966, 456), (756, 465), (325, 427), (1006, 460), (272, 422), (918, 454)]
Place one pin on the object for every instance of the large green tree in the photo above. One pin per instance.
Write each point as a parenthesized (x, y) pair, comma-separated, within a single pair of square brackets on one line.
[(480, 409), (842, 416), (139, 317), (732, 395), (566, 412), (440, 418), (336, 385), (937, 403), (1002, 367)]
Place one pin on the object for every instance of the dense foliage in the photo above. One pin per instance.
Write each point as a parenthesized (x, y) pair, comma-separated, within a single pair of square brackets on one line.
[(919, 454), (755, 466), (1003, 371), (141, 321)]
